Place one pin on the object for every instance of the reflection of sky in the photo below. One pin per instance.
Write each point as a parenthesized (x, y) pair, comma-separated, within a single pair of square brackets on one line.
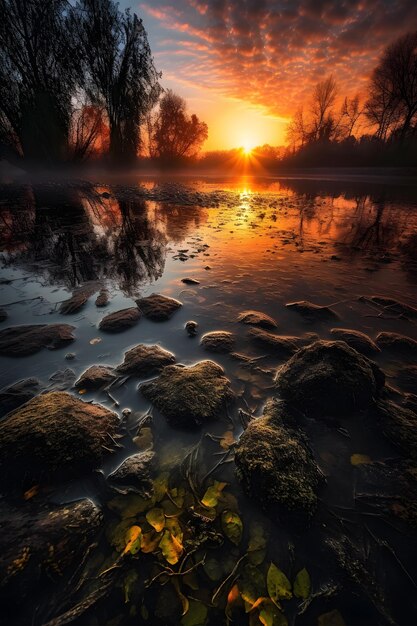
[(245, 65)]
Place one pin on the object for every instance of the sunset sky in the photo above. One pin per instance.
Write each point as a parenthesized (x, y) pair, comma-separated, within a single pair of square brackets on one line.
[(245, 66)]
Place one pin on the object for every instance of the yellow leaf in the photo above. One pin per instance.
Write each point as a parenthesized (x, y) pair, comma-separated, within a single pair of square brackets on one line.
[(132, 539), (252, 586), (279, 587), (302, 584), (156, 518), (360, 459), (332, 618), (211, 497), (269, 615), (171, 547), (232, 526), (82, 391), (30, 493), (149, 542), (227, 440), (94, 341), (196, 615)]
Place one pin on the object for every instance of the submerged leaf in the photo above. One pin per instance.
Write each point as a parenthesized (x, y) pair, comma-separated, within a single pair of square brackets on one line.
[(302, 584), (213, 569), (156, 518), (30, 493), (196, 615), (360, 459), (233, 598), (232, 526), (252, 586), (211, 497), (279, 587), (227, 440), (133, 539), (171, 547), (150, 541), (332, 618), (129, 583), (270, 615)]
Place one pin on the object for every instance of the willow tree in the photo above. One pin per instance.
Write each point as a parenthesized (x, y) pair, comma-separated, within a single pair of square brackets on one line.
[(117, 70)]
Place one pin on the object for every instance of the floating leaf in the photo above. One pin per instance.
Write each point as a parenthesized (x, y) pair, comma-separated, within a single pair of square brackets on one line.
[(252, 586), (196, 615), (156, 518), (233, 599), (302, 584), (32, 492), (269, 615), (132, 539), (150, 541), (360, 459), (227, 440), (333, 618), (129, 583), (174, 527), (232, 526), (94, 341), (211, 497), (171, 547), (279, 587)]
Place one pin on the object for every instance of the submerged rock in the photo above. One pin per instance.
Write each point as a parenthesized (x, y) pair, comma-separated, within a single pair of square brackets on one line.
[(3, 315), (134, 474), (355, 339), (219, 341), (329, 378), (17, 394), (41, 539), (120, 320), (190, 396), (407, 378), (102, 298), (158, 307), (399, 425), (276, 468), (190, 281), (275, 344), (54, 436), (77, 300), (392, 306), (96, 377), (256, 318), (313, 312), (192, 328), (25, 340), (62, 380), (144, 360), (397, 343)]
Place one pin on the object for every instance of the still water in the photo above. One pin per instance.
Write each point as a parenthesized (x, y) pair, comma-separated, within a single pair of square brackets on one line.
[(249, 243)]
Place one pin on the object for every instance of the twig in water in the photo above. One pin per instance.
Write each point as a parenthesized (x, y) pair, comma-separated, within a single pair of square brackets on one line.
[(217, 465), (229, 577)]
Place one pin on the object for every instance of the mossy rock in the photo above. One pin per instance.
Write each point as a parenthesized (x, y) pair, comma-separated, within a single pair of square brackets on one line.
[(276, 467), (119, 321), (144, 360), (157, 307), (220, 341), (96, 377), (329, 378), (190, 396), (356, 340), (29, 339), (54, 436)]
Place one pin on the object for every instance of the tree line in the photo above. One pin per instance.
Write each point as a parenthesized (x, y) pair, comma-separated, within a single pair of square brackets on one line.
[(78, 79)]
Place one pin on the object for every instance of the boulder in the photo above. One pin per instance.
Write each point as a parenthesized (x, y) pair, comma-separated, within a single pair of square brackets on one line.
[(395, 342), (25, 340), (157, 307), (54, 436), (399, 425), (275, 344), (329, 378), (276, 468), (144, 361), (17, 394), (190, 396), (256, 318), (219, 341), (192, 328), (120, 320), (96, 377), (102, 298), (134, 475), (357, 340), (313, 312)]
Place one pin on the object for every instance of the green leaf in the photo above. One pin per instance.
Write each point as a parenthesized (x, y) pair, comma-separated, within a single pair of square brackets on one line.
[(156, 518), (279, 587), (171, 547), (333, 618), (211, 497), (213, 569), (302, 584), (251, 586), (196, 615), (232, 526), (269, 615)]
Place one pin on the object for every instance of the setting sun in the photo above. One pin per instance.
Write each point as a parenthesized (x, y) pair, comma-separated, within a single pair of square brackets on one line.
[(247, 149)]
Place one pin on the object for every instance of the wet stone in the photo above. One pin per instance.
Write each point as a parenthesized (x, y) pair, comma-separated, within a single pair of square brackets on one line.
[(256, 318), (54, 436), (398, 343), (29, 339), (190, 396), (102, 298), (399, 425), (157, 307), (313, 312), (120, 320), (192, 328), (406, 378), (219, 341), (392, 306), (62, 380), (96, 377), (190, 281), (144, 360), (276, 468), (275, 344), (357, 340), (134, 474), (329, 378), (3, 315), (17, 394)]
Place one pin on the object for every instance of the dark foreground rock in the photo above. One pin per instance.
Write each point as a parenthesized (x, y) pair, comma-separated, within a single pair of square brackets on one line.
[(120, 320), (134, 475), (397, 343), (96, 377), (313, 312), (276, 468), (219, 341), (17, 394), (357, 340), (25, 340), (42, 541), (157, 307), (190, 396), (144, 360), (54, 436), (256, 318), (329, 378), (3, 315), (406, 378), (399, 425)]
